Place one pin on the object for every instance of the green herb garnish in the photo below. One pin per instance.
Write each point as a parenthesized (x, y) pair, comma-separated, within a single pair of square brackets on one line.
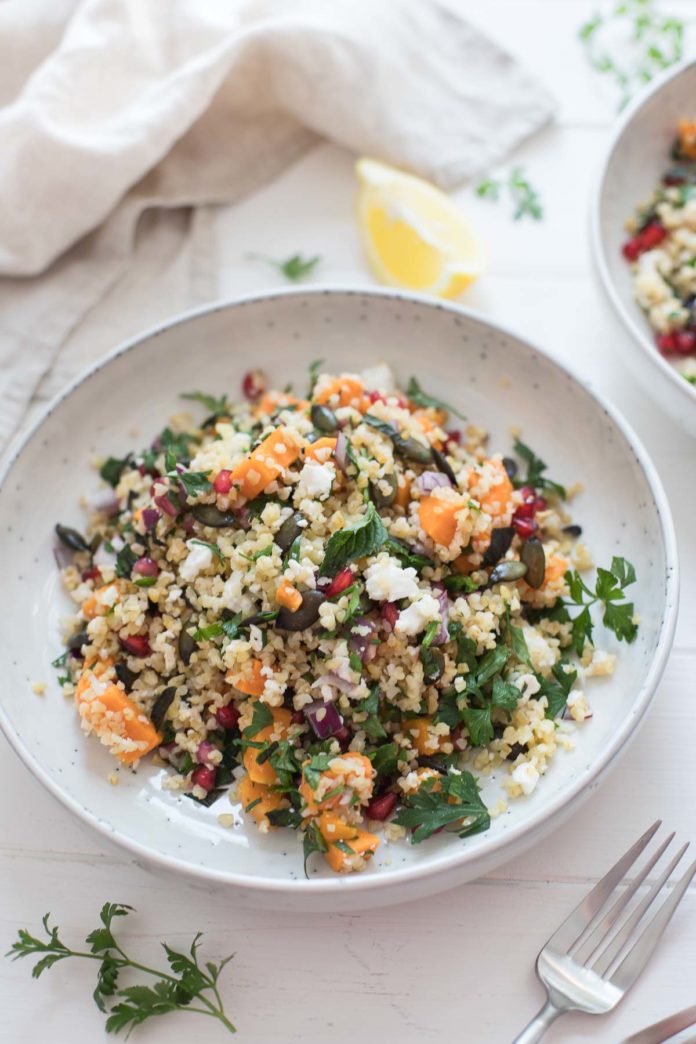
[(313, 842), (609, 592), (647, 42), (125, 560), (263, 553), (456, 797), (535, 471), (189, 987), (314, 370), (211, 547), (358, 540), (112, 469), (419, 397), (213, 405), (194, 482), (557, 689), (524, 197), (295, 268), (456, 584)]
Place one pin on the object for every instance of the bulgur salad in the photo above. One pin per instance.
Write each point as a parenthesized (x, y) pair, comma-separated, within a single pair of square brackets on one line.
[(337, 609), (662, 255)]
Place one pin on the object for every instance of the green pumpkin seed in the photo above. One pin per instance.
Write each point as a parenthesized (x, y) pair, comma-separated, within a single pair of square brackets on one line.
[(507, 570), (304, 617), (210, 515), (533, 556), (379, 498), (289, 531), (323, 418), (71, 538), (412, 449)]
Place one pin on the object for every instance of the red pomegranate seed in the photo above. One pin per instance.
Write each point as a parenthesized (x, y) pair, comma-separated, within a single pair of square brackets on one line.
[(526, 510), (376, 396), (343, 737), (454, 439), (685, 341), (227, 716), (667, 343), (204, 777), (298, 718), (254, 385), (146, 567), (651, 235), (91, 574), (381, 808), (136, 645), (339, 583), (631, 249), (390, 614), (540, 504), (223, 481), (525, 527)]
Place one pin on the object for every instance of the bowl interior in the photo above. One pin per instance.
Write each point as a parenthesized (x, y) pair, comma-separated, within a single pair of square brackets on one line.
[(638, 159), (497, 380)]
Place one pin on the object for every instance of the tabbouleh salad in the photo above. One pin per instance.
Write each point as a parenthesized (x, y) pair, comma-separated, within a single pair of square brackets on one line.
[(662, 255), (338, 609)]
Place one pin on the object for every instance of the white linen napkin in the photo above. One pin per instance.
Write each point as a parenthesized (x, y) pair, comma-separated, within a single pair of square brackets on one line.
[(114, 107)]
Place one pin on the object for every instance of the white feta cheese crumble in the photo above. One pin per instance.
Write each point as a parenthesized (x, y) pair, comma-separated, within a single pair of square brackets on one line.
[(198, 559), (418, 615), (387, 581), (316, 480), (527, 776)]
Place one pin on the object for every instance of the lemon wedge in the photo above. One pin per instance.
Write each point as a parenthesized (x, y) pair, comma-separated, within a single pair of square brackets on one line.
[(413, 234)]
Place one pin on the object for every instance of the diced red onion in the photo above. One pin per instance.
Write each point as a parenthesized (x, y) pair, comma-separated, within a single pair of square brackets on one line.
[(431, 480), (340, 452), (146, 567), (324, 719), (362, 644), (150, 517), (441, 595), (164, 504), (336, 682), (205, 749), (63, 556)]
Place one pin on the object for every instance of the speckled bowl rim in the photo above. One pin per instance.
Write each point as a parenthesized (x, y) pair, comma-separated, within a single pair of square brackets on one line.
[(637, 329), (457, 856)]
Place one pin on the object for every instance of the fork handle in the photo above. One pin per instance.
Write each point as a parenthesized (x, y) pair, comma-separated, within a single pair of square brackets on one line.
[(536, 1029)]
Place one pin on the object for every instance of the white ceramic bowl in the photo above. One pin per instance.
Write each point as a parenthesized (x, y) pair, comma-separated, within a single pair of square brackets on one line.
[(498, 380), (637, 157)]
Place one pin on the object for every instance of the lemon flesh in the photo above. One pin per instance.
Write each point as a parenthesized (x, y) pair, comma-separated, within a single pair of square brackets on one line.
[(413, 234)]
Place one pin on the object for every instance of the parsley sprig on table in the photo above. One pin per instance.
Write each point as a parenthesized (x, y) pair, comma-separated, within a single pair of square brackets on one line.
[(190, 987), (609, 592), (644, 42), (294, 268), (524, 196)]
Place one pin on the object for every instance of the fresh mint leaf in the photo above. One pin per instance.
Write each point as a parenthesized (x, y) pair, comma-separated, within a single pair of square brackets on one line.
[(358, 540), (406, 555), (419, 397)]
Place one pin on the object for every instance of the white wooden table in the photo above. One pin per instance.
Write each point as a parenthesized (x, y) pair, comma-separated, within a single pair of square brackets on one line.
[(459, 967)]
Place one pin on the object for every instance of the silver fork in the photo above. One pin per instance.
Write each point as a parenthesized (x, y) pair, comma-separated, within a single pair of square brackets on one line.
[(593, 960)]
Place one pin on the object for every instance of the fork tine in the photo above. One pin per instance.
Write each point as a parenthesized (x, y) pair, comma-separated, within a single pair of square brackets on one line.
[(636, 959), (598, 934), (574, 925), (605, 959)]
